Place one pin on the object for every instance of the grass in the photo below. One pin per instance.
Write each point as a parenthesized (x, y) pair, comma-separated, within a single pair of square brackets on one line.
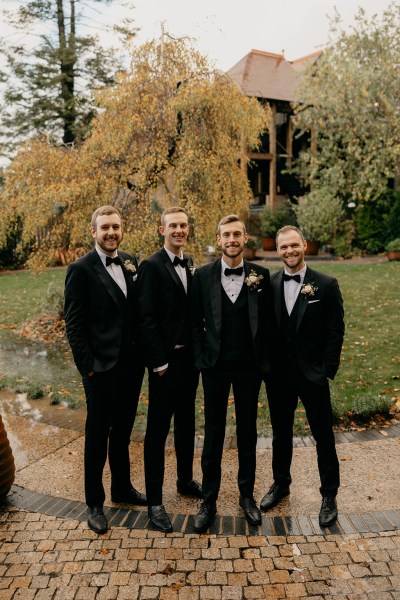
[(368, 378)]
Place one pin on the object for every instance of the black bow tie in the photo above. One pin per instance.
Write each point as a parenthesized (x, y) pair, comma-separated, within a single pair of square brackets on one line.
[(110, 261), (287, 277), (238, 271), (180, 261)]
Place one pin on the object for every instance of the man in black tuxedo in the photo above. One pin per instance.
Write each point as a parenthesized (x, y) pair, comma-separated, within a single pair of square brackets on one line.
[(164, 284), (309, 310), (101, 323), (232, 310)]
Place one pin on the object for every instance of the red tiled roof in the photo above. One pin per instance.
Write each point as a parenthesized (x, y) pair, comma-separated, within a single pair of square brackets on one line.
[(267, 75)]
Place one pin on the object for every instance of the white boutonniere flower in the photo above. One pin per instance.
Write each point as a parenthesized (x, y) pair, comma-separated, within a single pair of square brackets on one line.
[(308, 289), (192, 269), (129, 266), (253, 280)]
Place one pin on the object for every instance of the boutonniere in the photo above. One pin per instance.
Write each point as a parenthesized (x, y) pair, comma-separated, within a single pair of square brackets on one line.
[(192, 270), (253, 280), (308, 289), (129, 266)]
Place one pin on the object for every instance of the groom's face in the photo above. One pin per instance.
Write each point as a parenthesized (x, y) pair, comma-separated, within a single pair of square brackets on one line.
[(108, 233), (231, 239), (291, 249), (175, 230)]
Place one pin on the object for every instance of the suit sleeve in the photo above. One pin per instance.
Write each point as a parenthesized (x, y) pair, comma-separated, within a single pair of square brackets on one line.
[(148, 297), (335, 329), (76, 310), (197, 318)]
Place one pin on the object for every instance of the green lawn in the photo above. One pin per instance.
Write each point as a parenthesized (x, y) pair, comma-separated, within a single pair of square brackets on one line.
[(370, 367)]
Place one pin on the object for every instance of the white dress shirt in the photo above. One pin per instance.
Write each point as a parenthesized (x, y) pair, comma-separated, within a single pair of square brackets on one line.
[(232, 284), (292, 288), (115, 271), (181, 271)]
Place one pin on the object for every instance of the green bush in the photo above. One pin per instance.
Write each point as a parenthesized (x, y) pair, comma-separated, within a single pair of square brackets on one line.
[(363, 409), (393, 246), (272, 219), (378, 222), (320, 215)]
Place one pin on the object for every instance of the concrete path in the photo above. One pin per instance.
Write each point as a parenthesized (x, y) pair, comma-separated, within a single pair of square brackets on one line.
[(47, 551)]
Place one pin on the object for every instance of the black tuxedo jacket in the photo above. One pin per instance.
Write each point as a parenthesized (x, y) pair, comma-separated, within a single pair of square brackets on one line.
[(207, 315), (319, 327), (98, 317), (162, 306)]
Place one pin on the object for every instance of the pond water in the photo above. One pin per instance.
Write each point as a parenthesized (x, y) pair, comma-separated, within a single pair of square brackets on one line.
[(36, 362)]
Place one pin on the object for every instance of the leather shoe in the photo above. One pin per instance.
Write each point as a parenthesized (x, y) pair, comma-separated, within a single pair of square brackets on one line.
[(159, 518), (204, 517), (189, 488), (96, 519), (273, 496), (251, 510), (328, 513), (132, 496)]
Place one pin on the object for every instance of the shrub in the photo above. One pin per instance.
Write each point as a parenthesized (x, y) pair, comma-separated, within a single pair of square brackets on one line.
[(393, 246), (320, 215), (272, 219)]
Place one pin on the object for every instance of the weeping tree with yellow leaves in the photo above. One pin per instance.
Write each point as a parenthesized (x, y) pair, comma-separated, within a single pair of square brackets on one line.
[(172, 130)]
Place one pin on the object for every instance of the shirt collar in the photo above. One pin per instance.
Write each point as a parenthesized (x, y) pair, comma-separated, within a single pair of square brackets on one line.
[(103, 256), (225, 266), (302, 273), (172, 255)]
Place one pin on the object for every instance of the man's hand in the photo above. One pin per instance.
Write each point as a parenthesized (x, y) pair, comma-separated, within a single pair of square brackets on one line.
[(91, 374), (162, 372)]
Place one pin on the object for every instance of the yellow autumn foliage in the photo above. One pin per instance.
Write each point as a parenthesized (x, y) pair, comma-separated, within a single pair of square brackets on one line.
[(171, 131)]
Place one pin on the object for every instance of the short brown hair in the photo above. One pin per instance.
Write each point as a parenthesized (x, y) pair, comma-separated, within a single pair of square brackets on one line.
[(170, 210), (287, 228), (230, 219), (103, 210)]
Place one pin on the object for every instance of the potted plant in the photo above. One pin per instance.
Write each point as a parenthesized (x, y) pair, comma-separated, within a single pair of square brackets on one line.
[(319, 215), (249, 252), (272, 219), (393, 249)]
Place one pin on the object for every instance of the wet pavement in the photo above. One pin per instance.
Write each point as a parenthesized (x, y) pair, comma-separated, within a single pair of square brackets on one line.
[(47, 551)]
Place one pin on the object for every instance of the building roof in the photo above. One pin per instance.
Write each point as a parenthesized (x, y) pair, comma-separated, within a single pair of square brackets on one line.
[(270, 76)]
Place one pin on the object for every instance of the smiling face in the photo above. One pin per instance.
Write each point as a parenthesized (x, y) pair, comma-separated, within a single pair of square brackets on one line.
[(107, 233), (291, 249), (231, 239), (175, 231)]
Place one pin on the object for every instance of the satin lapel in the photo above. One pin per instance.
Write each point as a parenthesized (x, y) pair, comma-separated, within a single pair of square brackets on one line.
[(215, 296), (252, 296), (128, 275), (105, 278), (171, 270), (277, 289), (303, 301)]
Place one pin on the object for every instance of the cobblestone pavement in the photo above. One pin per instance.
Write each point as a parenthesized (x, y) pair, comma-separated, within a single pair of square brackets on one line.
[(47, 551), (43, 557)]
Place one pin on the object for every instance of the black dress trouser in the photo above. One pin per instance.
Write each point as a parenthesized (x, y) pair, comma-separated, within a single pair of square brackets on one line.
[(111, 399), (245, 379), (170, 395)]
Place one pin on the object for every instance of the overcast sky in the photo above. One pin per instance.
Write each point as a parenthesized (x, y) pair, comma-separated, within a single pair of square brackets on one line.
[(227, 29)]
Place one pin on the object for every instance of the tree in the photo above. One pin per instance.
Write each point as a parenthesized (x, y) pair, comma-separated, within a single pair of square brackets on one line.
[(350, 101), (172, 130), (49, 85)]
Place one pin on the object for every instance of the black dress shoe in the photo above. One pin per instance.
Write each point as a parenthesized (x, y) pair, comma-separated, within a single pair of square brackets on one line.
[(96, 519), (189, 488), (132, 496), (204, 517), (159, 518), (273, 496), (251, 510), (328, 513)]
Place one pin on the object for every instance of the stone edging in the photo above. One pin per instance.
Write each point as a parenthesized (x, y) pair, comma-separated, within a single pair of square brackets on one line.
[(369, 522)]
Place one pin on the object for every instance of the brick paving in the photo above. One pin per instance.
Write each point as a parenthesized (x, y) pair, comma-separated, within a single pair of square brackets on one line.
[(43, 557)]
